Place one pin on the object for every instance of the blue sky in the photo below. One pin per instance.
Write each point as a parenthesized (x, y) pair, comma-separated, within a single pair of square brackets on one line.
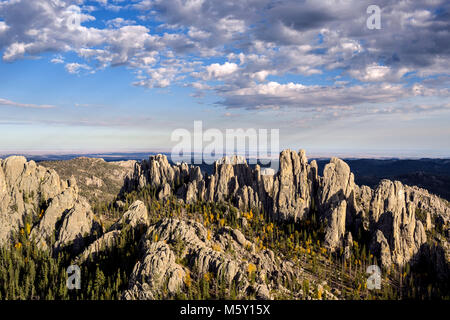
[(113, 75)]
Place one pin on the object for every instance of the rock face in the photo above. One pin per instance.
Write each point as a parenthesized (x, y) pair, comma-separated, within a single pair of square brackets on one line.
[(173, 248), (23, 185), (58, 206), (157, 272), (288, 194), (78, 226), (394, 216), (294, 186), (136, 216), (33, 192), (106, 242), (296, 192), (336, 200), (335, 225), (136, 219)]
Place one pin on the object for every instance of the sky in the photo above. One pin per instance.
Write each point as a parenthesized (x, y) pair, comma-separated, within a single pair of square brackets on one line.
[(115, 75)]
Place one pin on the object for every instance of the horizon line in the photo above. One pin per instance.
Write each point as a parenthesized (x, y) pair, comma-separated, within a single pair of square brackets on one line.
[(369, 154)]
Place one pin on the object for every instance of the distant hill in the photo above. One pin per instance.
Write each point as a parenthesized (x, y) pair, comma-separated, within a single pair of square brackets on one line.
[(98, 179)]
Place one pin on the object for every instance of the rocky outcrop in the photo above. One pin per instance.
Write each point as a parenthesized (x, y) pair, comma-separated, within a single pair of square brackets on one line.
[(336, 185), (296, 191), (33, 193), (396, 216), (435, 209), (294, 186), (57, 208), (106, 242), (176, 249), (135, 219), (401, 224), (24, 188), (348, 245), (156, 273), (337, 202), (288, 195), (335, 230), (165, 192), (393, 214), (136, 216), (380, 247), (78, 227)]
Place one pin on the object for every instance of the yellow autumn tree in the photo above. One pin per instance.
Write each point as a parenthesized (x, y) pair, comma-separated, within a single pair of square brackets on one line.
[(251, 268), (207, 276), (319, 293), (187, 280)]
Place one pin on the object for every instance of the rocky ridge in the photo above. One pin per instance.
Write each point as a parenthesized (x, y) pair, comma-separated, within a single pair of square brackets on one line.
[(173, 248), (387, 213), (50, 210), (399, 220)]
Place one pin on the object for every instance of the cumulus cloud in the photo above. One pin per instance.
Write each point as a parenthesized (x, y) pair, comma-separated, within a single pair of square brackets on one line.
[(75, 68), (119, 22), (374, 73), (295, 95), (57, 59), (14, 51), (245, 45), (219, 71)]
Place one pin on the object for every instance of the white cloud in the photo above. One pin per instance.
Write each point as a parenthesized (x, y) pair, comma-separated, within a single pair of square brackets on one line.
[(3, 27), (119, 22), (57, 60), (200, 86), (260, 75), (296, 95), (75, 68), (15, 51), (257, 38), (219, 71), (229, 26), (374, 73), (198, 34), (9, 103), (158, 78)]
